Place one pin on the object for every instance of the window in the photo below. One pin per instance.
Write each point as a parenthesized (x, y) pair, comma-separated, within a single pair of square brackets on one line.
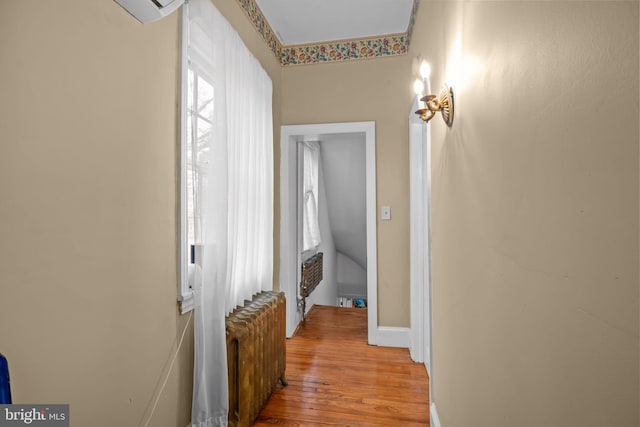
[(310, 222), (199, 125), (197, 122)]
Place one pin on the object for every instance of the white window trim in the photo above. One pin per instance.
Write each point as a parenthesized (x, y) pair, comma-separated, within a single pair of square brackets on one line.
[(185, 292)]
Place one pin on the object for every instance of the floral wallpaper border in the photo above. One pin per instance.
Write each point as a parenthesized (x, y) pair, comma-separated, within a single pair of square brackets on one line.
[(342, 50)]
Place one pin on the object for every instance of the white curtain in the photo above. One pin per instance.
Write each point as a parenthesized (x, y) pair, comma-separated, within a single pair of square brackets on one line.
[(237, 205), (310, 224)]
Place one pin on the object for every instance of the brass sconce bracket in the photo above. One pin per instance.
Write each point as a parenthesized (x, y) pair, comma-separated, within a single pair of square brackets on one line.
[(443, 103)]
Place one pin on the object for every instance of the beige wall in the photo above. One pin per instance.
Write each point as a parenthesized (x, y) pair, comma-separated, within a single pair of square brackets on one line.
[(369, 90), (535, 213), (88, 242)]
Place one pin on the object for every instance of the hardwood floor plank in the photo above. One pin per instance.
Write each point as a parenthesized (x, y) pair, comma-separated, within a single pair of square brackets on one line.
[(336, 378)]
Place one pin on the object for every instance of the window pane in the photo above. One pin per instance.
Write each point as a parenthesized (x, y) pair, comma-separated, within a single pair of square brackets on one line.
[(204, 133), (205, 99), (190, 170), (190, 83), (199, 132)]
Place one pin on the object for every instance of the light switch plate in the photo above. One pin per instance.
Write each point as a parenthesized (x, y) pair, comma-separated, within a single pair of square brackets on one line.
[(385, 213)]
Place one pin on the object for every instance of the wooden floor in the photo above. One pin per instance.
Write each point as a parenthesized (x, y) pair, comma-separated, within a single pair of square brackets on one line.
[(335, 378)]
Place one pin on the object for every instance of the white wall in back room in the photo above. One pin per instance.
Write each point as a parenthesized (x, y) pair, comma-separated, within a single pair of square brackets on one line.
[(343, 159), (351, 278)]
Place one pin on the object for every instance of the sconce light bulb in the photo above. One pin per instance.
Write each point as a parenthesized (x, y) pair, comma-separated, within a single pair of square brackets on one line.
[(418, 87), (425, 70)]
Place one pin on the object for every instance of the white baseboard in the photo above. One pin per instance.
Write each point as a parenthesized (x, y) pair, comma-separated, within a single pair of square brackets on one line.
[(434, 421), (390, 336)]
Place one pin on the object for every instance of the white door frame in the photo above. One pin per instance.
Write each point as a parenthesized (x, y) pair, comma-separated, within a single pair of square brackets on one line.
[(289, 267), (420, 224)]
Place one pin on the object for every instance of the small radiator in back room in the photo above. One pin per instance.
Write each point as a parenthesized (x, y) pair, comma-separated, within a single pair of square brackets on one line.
[(256, 337), (311, 273)]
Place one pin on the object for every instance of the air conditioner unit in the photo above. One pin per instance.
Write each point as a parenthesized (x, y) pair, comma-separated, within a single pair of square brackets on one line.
[(149, 10)]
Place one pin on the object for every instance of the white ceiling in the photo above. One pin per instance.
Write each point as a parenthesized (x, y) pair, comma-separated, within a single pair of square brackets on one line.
[(311, 21)]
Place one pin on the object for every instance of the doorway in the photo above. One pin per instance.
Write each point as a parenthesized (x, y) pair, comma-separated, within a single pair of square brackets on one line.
[(290, 257), (332, 215)]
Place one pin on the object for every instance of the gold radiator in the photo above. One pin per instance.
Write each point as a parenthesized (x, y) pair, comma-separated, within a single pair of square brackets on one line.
[(256, 335), (311, 277)]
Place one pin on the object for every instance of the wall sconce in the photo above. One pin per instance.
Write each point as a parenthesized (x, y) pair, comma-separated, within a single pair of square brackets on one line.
[(442, 102)]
